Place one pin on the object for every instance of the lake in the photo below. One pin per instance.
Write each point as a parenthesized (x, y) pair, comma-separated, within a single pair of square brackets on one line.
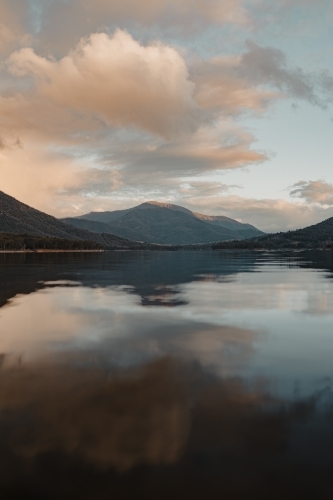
[(166, 375)]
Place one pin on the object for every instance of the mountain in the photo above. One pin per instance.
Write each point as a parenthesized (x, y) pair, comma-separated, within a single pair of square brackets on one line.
[(151, 222), (163, 223), (316, 236), (16, 218), (105, 217)]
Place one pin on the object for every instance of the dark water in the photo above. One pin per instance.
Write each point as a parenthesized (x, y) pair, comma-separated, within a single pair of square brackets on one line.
[(166, 375)]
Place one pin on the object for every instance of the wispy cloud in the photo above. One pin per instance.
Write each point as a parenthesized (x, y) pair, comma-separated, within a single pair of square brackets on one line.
[(313, 191), (270, 215)]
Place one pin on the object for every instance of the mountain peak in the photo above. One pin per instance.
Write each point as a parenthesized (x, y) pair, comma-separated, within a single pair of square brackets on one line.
[(165, 223), (157, 204)]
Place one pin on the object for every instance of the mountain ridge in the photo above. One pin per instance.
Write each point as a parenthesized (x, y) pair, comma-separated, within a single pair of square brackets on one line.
[(165, 223), (21, 220)]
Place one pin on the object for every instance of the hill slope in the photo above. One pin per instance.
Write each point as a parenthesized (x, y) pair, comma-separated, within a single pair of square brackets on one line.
[(17, 218), (163, 223), (316, 236)]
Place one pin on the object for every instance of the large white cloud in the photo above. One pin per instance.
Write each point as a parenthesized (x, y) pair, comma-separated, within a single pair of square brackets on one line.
[(114, 77), (113, 80)]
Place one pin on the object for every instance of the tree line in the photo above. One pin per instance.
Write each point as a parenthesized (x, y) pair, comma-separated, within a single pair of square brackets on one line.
[(12, 242)]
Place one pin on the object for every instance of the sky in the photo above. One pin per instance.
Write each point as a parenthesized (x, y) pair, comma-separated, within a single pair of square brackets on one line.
[(221, 106)]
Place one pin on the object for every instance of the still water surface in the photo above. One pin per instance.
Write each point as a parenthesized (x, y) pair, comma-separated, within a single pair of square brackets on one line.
[(159, 374)]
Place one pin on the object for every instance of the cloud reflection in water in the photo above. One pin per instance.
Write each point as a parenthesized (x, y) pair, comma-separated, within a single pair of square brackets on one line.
[(166, 428)]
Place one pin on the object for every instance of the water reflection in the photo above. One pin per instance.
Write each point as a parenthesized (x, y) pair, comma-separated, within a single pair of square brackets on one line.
[(150, 275), (250, 314), (153, 276), (77, 426), (162, 375), (75, 318)]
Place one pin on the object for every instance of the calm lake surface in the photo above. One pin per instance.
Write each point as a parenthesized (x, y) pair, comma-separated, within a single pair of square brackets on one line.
[(166, 375)]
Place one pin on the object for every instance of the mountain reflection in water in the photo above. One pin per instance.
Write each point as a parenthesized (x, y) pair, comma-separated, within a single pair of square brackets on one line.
[(148, 274), (166, 375)]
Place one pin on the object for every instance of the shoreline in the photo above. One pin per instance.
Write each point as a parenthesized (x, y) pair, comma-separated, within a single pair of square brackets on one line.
[(51, 251), (166, 250)]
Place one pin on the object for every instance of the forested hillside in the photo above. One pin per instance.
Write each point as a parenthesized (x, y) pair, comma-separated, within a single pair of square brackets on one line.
[(26, 242), (164, 224), (19, 219), (317, 236)]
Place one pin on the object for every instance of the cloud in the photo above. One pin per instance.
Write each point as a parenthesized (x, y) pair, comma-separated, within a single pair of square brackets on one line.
[(10, 143), (313, 191), (35, 118), (269, 215), (266, 65), (114, 81), (74, 19), (35, 175), (222, 86), (54, 182), (94, 182), (116, 116), (115, 78), (87, 168), (147, 11), (12, 31), (203, 188), (253, 80), (158, 170), (292, 18), (221, 147)]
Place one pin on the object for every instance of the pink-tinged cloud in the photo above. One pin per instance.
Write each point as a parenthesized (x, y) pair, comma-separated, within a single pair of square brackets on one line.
[(115, 78), (34, 175), (13, 32), (253, 80), (220, 87), (220, 148), (313, 191)]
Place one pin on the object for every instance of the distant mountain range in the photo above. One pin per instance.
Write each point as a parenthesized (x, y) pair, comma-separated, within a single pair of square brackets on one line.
[(163, 223), (152, 222)]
